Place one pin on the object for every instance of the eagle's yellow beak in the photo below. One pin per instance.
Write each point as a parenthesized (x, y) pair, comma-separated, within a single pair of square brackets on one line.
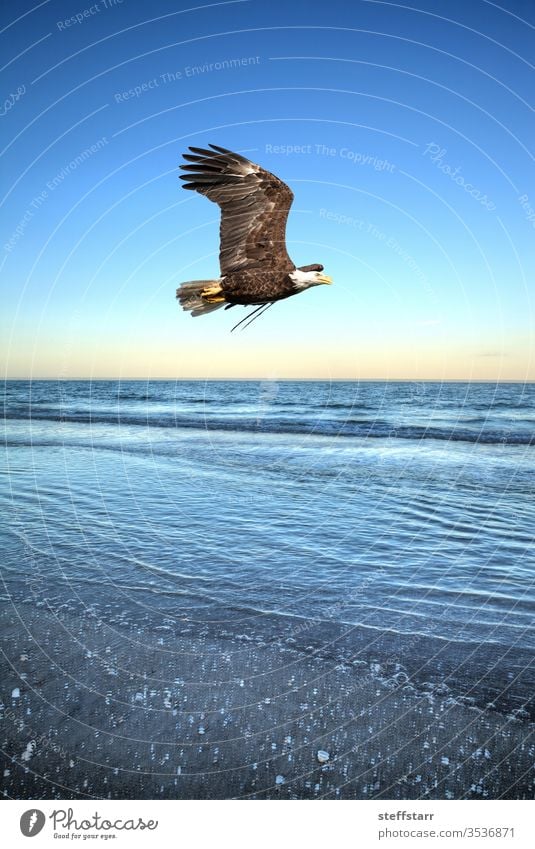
[(324, 279)]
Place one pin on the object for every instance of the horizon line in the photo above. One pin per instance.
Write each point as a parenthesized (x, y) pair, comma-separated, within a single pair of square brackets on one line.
[(270, 379)]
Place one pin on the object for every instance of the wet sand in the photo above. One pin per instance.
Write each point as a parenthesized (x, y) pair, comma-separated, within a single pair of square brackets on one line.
[(90, 710)]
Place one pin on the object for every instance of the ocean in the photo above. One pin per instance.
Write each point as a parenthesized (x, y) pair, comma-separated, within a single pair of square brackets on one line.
[(386, 526)]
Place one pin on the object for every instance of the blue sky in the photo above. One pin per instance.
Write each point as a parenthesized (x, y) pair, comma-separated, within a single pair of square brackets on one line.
[(405, 132)]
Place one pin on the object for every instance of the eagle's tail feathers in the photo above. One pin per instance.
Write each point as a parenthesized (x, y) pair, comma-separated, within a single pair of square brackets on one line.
[(200, 296)]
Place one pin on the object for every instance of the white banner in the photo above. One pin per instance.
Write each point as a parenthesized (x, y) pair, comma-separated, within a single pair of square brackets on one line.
[(237, 824)]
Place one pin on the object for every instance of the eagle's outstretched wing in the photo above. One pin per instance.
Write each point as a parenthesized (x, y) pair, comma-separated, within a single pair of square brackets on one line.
[(254, 207)]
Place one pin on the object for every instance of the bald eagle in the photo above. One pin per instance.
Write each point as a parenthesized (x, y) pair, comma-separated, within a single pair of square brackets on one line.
[(255, 267)]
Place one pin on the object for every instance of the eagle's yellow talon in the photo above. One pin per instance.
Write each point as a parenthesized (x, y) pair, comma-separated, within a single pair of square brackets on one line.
[(212, 295)]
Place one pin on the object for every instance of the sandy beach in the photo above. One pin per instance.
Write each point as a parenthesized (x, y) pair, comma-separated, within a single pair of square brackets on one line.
[(88, 711)]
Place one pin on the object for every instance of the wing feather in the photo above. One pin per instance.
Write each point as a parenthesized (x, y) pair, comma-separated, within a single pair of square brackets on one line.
[(254, 207)]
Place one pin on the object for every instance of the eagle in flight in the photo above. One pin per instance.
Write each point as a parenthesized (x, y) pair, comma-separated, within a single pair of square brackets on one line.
[(255, 267)]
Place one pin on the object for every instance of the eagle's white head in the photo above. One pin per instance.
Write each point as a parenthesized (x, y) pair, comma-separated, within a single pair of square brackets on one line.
[(309, 275)]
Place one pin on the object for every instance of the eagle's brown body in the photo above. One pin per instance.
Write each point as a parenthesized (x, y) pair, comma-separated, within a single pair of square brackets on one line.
[(254, 286), (255, 266)]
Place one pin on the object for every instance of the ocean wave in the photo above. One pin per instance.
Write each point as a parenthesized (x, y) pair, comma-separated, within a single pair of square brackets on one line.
[(347, 428)]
